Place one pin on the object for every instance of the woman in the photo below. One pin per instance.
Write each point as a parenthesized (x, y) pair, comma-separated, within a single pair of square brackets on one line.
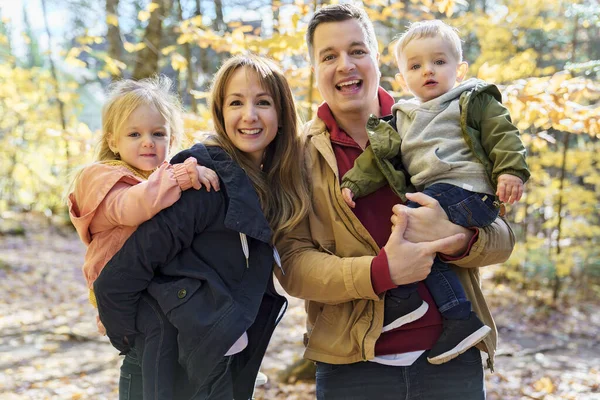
[(207, 260)]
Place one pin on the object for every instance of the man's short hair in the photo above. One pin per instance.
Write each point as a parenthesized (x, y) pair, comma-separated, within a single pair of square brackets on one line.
[(430, 29), (340, 13)]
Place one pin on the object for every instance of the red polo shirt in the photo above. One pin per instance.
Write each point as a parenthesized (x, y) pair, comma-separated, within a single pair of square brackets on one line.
[(374, 212)]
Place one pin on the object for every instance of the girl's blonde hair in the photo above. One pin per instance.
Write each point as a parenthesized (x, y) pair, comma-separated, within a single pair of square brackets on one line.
[(125, 96), (281, 184)]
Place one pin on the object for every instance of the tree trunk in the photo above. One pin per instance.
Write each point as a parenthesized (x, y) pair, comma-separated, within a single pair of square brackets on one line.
[(61, 105), (113, 35), (204, 65), (146, 63), (190, 66), (275, 4), (557, 281), (219, 24)]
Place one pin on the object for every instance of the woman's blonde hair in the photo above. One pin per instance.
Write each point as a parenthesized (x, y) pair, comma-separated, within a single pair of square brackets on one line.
[(281, 185), (125, 96)]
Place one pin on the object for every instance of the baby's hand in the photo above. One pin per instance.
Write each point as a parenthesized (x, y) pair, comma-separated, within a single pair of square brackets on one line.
[(206, 177), (510, 188), (348, 195)]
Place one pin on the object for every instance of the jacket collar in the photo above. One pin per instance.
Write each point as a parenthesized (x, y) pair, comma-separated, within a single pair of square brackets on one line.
[(386, 101), (244, 213)]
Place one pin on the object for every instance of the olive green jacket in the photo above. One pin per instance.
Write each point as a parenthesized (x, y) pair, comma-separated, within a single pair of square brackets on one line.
[(486, 128)]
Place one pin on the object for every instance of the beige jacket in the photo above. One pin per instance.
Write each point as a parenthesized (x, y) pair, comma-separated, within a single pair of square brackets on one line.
[(327, 262)]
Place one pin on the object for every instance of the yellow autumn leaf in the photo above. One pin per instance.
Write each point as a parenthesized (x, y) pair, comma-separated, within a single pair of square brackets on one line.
[(199, 95), (167, 50), (185, 38), (237, 35), (143, 15), (178, 62), (153, 6), (75, 62), (112, 19), (295, 19), (196, 21), (132, 48)]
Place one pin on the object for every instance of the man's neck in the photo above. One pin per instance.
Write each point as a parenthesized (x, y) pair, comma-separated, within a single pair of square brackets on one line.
[(355, 125)]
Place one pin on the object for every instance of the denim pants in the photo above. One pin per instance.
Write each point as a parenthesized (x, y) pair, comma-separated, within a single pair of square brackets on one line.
[(464, 208), (459, 379), (219, 384), (130, 381), (149, 369)]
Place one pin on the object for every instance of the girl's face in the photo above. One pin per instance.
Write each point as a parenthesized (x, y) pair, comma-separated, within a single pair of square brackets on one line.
[(143, 139), (249, 114)]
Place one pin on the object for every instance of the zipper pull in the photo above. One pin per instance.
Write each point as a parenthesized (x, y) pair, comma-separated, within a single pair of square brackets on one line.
[(245, 248)]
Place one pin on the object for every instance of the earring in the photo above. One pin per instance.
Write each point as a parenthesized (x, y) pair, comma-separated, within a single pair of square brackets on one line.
[(116, 153), (279, 131)]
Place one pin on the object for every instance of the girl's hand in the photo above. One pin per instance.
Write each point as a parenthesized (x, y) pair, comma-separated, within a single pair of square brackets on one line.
[(348, 196), (510, 188), (206, 177)]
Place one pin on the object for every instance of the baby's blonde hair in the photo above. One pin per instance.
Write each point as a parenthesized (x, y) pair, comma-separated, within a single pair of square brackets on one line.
[(125, 96), (430, 29)]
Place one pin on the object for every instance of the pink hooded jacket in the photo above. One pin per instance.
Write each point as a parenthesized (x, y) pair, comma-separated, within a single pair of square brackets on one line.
[(110, 201)]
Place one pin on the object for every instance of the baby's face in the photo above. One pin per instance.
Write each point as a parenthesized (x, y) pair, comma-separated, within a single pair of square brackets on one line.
[(428, 68)]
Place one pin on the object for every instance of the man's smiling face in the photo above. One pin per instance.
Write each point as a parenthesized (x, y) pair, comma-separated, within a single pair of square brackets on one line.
[(346, 68)]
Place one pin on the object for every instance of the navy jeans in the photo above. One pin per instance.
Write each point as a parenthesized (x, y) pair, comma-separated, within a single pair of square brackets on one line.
[(149, 369), (130, 381), (156, 348), (459, 379), (464, 208)]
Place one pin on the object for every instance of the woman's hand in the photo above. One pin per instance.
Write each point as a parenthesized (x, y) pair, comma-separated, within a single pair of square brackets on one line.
[(430, 222)]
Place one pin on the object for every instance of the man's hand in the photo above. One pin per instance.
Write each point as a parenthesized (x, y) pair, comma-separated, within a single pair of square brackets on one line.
[(510, 188), (430, 223), (348, 197), (411, 262)]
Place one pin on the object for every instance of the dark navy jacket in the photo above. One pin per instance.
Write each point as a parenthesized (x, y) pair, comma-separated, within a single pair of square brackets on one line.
[(190, 259)]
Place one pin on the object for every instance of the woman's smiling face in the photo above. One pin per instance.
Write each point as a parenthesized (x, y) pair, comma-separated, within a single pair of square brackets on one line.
[(249, 114)]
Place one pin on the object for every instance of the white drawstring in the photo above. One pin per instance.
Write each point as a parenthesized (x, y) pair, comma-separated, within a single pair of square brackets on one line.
[(277, 259), (246, 250), (244, 241)]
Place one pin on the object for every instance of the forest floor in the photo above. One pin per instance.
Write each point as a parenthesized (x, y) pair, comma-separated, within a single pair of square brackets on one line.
[(49, 348)]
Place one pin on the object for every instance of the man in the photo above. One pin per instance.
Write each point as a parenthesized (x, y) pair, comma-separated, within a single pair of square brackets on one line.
[(342, 260)]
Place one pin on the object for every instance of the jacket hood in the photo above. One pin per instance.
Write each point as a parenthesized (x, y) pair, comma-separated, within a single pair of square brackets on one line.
[(83, 202)]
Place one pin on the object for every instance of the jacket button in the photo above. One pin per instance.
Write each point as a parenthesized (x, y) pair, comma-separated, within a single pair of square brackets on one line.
[(182, 293)]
